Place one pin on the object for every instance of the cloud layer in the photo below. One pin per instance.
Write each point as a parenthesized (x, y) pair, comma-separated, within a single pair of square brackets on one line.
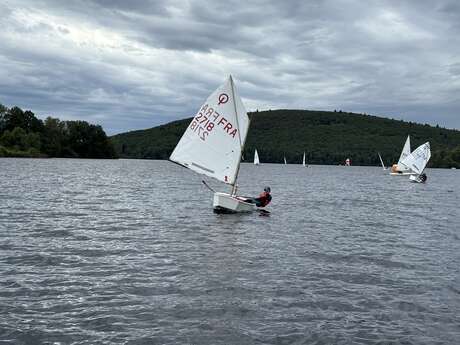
[(135, 64)]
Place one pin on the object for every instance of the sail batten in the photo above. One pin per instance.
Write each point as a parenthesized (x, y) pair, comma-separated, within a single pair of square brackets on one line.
[(212, 143), (203, 168)]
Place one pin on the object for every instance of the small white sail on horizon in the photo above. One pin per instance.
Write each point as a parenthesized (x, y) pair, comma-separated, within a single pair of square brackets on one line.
[(303, 161), (381, 161), (419, 158), (285, 161), (256, 158)]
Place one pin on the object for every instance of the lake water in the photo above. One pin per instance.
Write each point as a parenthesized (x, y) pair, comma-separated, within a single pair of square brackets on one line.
[(130, 252)]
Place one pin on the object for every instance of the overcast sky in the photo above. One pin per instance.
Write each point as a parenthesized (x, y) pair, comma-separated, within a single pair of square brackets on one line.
[(136, 64)]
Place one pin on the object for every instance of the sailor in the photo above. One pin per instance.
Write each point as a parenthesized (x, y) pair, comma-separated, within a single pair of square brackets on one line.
[(264, 198)]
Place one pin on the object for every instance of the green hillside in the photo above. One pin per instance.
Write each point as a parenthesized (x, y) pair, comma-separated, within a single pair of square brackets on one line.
[(22, 134), (326, 137)]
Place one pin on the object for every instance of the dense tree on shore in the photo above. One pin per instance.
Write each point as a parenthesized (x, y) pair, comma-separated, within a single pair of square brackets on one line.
[(326, 137), (24, 135)]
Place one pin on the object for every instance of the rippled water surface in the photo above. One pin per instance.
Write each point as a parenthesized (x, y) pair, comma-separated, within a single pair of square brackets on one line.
[(129, 252)]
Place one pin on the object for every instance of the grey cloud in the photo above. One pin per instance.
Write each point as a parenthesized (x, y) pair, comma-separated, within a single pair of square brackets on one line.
[(141, 6), (400, 59)]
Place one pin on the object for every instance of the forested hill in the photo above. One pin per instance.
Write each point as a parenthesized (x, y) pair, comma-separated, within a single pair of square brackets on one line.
[(326, 137), (22, 134)]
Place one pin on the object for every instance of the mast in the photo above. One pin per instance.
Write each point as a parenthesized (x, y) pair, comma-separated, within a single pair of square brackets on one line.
[(234, 187)]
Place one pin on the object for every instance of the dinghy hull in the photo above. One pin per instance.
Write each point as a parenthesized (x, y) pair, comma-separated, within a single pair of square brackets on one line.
[(395, 171), (226, 203), (402, 173), (417, 179), (413, 178)]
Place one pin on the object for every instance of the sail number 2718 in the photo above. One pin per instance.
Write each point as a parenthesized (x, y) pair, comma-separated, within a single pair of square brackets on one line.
[(208, 118)]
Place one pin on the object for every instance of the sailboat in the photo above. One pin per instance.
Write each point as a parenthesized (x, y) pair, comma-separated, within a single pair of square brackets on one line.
[(401, 169), (303, 161), (213, 143), (285, 161), (417, 162), (256, 158), (381, 161)]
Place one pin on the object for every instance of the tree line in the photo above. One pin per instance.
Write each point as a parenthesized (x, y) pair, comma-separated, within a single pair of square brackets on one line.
[(326, 137), (22, 134)]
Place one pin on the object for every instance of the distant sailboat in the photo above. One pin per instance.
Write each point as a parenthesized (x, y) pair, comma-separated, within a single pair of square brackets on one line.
[(401, 169), (417, 162), (381, 161), (213, 143), (303, 161), (256, 158), (285, 161)]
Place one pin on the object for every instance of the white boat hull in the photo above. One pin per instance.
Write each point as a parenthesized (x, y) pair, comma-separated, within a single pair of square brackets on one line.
[(416, 179), (406, 173), (226, 203)]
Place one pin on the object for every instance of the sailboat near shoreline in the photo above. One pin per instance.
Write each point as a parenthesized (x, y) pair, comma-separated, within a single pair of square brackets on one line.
[(256, 158), (381, 161), (304, 164), (401, 169), (417, 162), (213, 143)]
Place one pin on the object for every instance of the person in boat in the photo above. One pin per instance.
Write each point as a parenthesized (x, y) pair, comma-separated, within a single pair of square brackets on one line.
[(395, 169), (263, 199)]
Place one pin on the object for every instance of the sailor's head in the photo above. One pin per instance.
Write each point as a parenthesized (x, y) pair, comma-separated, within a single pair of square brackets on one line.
[(267, 189)]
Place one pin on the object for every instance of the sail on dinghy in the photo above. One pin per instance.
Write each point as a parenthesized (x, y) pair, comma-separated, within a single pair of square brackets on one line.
[(256, 158), (401, 169), (417, 162), (304, 161), (213, 143), (381, 161), (285, 160)]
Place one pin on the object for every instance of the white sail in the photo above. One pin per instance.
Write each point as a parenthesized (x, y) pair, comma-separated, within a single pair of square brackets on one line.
[(256, 158), (405, 152), (285, 160), (418, 159), (212, 144), (303, 161), (381, 161)]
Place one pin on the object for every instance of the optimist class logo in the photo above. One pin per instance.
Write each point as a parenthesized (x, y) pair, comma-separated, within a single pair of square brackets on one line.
[(223, 98)]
